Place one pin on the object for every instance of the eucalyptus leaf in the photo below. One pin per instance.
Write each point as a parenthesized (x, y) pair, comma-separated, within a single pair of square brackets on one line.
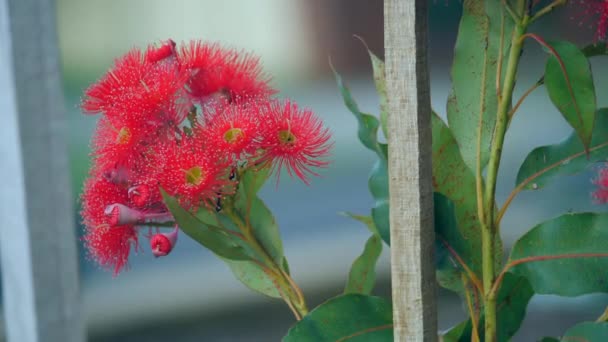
[(380, 82), (569, 82), (472, 101), (378, 181), (457, 226), (565, 256), (256, 214), (356, 317), (254, 277), (218, 240), (378, 186), (511, 303), (587, 332), (362, 275), (544, 164), (596, 49)]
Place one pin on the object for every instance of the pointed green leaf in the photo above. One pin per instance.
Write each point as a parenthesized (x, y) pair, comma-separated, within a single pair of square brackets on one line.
[(254, 277), (565, 256), (572, 90), (546, 163), (473, 74), (362, 275), (378, 186), (597, 49), (380, 82), (366, 220), (368, 124), (587, 332), (460, 235), (256, 214), (217, 240), (548, 339), (352, 317), (511, 303)]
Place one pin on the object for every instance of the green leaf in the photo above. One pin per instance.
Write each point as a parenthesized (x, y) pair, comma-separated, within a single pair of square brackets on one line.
[(572, 90), (378, 181), (546, 163), (368, 221), (352, 317), (456, 333), (217, 240), (597, 49), (459, 236), (254, 277), (256, 214), (362, 275), (548, 339), (587, 332), (512, 300), (565, 256), (378, 186), (380, 82), (473, 93), (368, 124)]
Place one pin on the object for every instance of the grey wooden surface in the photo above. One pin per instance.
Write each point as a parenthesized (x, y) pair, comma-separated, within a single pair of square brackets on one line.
[(37, 237), (411, 196)]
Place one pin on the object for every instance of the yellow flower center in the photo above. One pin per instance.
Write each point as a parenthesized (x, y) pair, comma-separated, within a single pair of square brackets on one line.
[(123, 136), (195, 176), (233, 135), (287, 138)]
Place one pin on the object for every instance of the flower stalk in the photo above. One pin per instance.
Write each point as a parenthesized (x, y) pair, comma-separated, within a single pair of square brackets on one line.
[(489, 223)]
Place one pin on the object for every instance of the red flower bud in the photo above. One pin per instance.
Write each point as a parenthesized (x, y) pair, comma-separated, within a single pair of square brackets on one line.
[(162, 244)]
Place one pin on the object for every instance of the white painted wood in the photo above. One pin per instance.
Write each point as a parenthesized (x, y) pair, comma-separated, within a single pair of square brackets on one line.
[(37, 236), (411, 194)]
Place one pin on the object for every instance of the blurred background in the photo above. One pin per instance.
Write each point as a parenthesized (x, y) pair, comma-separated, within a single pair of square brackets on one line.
[(192, 296)]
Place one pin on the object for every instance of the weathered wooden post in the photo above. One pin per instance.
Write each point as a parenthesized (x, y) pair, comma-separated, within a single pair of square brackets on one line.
[(37, 241), (411, 194)]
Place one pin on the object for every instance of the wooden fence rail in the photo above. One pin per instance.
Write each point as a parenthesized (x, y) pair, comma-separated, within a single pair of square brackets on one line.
[(411, 194)]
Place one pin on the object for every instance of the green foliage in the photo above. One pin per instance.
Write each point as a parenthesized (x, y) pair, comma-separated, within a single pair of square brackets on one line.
[(587, 332), (569, 82), (254, 277), (513, 297), (380, 82), (368, 135), (546, 163), (457, 225), (217, 240), (564, 256), (254, 213), (473, 100), (352, 317), (362, 275)]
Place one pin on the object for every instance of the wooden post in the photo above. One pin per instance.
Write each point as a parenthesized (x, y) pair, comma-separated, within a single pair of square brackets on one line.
[(411, 194), (37, 240)]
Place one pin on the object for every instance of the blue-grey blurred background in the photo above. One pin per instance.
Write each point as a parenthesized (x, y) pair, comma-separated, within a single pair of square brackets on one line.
[(190, 295)]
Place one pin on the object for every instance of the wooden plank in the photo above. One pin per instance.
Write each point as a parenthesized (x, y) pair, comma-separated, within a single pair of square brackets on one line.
[(411, 197), (37, 241)]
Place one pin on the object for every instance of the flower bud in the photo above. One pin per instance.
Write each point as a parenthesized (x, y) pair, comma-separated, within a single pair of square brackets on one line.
[(119, 214), (162, 243), (139, 195)]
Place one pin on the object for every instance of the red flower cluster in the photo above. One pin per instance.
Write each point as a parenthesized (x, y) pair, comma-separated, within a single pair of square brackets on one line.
[(601, 192), (594, 13), (183, 118)]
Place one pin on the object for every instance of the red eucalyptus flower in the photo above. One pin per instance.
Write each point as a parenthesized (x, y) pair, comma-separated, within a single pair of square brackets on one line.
[(293, 138), (595, 14), (108, 245), (143, 140), (216, 72), (192, 172), (232, 129)]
